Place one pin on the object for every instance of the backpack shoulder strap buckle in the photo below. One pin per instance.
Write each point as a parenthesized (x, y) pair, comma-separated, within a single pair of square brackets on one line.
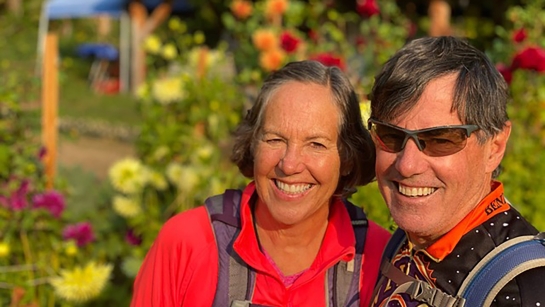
[(540, 237), (424, 292)]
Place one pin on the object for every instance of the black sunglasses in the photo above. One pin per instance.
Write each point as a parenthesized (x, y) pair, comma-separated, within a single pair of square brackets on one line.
[(434, 142)]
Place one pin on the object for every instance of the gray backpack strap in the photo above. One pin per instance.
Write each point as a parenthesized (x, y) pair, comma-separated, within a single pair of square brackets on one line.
[(423, 292), (343, 278), (500, 266), (236, 280)]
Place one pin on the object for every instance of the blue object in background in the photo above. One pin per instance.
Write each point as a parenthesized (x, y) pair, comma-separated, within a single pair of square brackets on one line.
[(58, 9), (98, 51)]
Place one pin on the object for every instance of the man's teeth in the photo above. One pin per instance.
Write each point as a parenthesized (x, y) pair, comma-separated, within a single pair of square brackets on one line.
[(415, 191), (292, 188)]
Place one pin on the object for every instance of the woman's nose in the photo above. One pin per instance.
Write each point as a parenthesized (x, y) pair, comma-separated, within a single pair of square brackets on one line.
[(292, 160)]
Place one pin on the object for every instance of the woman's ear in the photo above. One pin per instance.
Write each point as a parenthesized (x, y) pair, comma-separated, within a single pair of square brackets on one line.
[(498, 146)]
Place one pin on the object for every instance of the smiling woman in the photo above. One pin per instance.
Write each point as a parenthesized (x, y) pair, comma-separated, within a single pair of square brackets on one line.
[(291, 230)]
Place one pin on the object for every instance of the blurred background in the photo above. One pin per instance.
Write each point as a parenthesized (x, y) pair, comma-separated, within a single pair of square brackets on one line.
[(117, 114)]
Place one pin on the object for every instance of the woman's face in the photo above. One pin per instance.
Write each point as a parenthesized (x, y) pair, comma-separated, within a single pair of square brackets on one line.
[(296, 159)]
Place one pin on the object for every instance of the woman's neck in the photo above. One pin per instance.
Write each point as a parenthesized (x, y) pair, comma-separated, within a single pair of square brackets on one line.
[(292, 247)]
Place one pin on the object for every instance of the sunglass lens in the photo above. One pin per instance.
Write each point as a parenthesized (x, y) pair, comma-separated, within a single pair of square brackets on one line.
[(443, 141), (390, 139)]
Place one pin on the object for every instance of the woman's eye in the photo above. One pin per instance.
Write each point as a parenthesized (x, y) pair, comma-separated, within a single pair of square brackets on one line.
[(317, 145), (273, 141)]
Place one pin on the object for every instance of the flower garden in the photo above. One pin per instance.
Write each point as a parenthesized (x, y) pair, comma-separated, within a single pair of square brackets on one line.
[(55, 253)]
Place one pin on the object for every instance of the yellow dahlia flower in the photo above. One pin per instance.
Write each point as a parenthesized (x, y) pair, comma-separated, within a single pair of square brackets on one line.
[(158, 181), (128, 176), (168, 90), (152, 44), (4, 249), (126, 207), (82, 283), (169, 52), (365, 109)]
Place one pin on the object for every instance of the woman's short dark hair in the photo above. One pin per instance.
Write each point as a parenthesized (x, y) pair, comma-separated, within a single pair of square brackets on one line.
[(356, 148), (480, 94)]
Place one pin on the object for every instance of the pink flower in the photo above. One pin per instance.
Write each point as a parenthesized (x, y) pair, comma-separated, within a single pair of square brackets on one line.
[(519, 35), (52, 201), (367, 8), (18, 199), (329, 60), (132, 238), (42, 153), (506, 72), (532, 58), (288, 42), (82, 233)]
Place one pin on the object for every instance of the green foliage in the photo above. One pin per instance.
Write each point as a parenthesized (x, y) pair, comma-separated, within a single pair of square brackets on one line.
[(523, 162)]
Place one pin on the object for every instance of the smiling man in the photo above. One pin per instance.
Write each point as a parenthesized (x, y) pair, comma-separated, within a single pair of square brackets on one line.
[(439, 122)]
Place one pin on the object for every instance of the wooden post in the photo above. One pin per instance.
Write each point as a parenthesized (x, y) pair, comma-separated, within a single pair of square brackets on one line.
[(142, 26), (439, 12), (138, 15), (50, 102)]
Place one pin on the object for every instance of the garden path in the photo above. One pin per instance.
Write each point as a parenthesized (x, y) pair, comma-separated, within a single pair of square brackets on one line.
[(92, 154)]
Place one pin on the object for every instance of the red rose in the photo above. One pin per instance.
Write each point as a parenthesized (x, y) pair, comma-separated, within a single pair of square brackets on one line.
[(289, 42), (329, 60), (530, 58), (367, 8), (519, 35)]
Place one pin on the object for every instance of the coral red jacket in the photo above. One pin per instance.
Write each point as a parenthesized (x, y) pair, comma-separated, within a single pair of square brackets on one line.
[(181, 267)]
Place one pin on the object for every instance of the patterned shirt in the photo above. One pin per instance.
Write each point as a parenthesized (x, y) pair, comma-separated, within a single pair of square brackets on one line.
[(446, 263)]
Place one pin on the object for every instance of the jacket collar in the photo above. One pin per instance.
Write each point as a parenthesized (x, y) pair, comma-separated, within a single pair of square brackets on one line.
[(493, 204), (338, 243)]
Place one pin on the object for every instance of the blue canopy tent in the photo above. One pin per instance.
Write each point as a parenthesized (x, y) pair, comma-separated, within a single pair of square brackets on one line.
[(67, 9), (57, 9)]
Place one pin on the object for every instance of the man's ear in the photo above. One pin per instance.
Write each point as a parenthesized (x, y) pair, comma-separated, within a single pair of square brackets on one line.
[(498, 146)]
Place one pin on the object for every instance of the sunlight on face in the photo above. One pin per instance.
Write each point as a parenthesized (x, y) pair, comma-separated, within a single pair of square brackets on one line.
[(297, 163), (428, 196)]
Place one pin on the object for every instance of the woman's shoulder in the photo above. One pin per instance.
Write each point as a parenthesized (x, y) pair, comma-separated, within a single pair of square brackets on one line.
[(189, 226)]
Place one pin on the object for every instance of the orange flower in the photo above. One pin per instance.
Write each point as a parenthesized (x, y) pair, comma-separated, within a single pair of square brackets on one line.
[(265, 39), (272, 59), (241, 8), (275, 8)]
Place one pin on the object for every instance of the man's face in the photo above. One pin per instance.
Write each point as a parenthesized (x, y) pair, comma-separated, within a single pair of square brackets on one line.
[(427, 196)]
